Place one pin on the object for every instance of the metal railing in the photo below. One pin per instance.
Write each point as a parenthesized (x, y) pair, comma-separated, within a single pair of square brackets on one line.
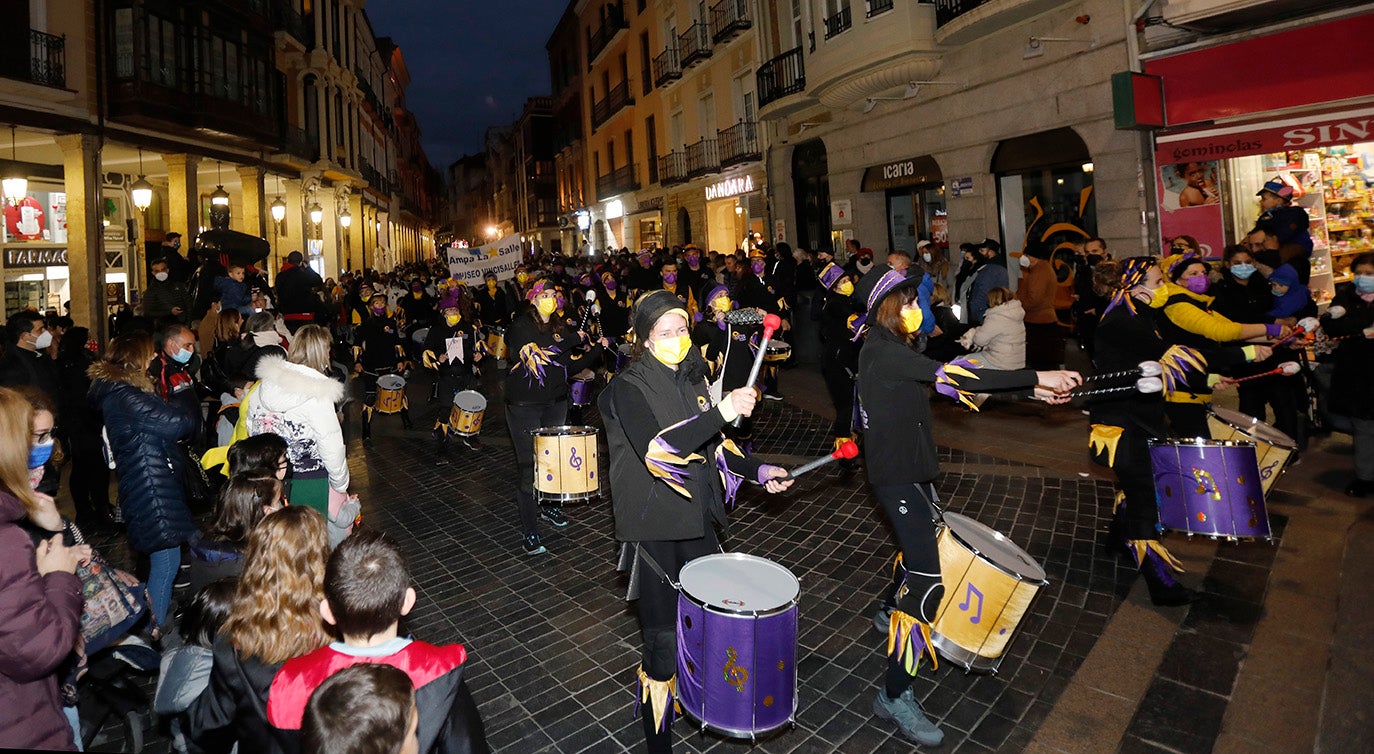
[(302, 27), (617, 181), (666, 67), (703, 157), (672, 168), (295, 141), (781, 76), (46, 64), (878, 6), (730, 18), (739, 143), (838, 22), (694, 45), (601, 38), (948, 10), (614, 101)]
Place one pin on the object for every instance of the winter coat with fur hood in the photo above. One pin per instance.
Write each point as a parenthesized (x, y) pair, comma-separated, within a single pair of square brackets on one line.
[(143, 431), (1001, 339), (297, 402)]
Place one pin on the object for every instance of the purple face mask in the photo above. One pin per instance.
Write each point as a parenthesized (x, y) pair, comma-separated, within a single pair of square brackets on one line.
[(757, 267), (670, 277), (693, 259), (1197, 284), (609, 283)]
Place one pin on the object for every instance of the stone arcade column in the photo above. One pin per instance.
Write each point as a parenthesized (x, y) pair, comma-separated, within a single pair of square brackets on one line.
[(252, 212), (183, 197), (85, 236)]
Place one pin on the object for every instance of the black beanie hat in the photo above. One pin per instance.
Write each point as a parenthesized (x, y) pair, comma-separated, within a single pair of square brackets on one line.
[(649, 308)]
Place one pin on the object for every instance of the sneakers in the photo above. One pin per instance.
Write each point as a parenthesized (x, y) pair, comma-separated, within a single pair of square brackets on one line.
[(533, 546), (911, 721), (554, 516), (882, 620)]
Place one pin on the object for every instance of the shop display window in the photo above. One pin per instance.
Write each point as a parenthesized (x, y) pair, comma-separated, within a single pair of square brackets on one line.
[(38, 218)]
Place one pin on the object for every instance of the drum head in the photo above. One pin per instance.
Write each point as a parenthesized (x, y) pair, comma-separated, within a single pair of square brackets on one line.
[(566, 430), (1234, 418), (419, 335), (1269, 434), (738, 583), (995, 547), (391, 382), (470, 400)]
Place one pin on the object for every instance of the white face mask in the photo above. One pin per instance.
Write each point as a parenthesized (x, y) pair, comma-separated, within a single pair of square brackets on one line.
[(1025, 260), (161, 276), (44, 340), (925, 256)]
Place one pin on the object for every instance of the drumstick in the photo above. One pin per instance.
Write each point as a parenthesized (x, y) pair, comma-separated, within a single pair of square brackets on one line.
[(1304, 326), (1144, 385), (771, 323), (1144, 369), (1287, 369), (590, 298), (848, 450)]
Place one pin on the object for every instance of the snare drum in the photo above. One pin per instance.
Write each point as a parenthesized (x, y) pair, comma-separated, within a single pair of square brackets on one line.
[(1209, 487), (1272, 447), (565, 464), (580, 392), (777, 352), (420, 335), (989, 585), (622, 356), (737, 644), (496, 342), (391, 394), (465, 418)]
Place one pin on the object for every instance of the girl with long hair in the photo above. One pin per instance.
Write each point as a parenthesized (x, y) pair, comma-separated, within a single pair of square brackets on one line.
[(275, 617)]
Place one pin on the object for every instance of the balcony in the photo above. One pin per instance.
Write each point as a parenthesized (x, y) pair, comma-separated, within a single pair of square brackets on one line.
[(297, 143), (667, 69), (961, 21), (672, 168), (296, 26), (703, 158), (616, 182), (729, 19), (694, 45), (781, 76), (602, 38), (838, 23), (876, 7), (878, 58), (45, 64), (617, 99), (740, 143)]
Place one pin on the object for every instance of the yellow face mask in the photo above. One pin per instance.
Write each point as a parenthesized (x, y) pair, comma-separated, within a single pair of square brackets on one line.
[(491, 285), (522, 277), (452, 319), (1159, 296), (912, 319), (546, 306), (671, 351), (844, 288), (722, 304)]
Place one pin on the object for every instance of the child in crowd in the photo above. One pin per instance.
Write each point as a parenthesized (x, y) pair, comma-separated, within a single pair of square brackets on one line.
[(229, 408), (186, 667), (233, 292), (367, 591), (362, 709), (217, 553), (261, 455)]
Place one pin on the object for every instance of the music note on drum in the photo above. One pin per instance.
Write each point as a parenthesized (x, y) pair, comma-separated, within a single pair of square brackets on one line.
[(574, 461), (968, 598)]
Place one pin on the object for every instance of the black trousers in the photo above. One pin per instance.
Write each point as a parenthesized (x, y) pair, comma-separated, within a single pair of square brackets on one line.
[(522, 419), (1140, 518), (90, 477), (910, 508), (1185, 420), (1286, 395), (840, 384), (1044, 346)]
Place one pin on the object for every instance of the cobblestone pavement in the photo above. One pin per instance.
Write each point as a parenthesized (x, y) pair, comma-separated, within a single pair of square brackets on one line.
[(554, 646)]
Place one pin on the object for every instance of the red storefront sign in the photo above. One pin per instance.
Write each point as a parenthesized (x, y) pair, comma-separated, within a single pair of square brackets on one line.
[(1265, 137)]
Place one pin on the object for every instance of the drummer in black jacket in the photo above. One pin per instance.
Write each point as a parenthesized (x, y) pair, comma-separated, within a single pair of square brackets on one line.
[(543, 351), (455, 362), (900, 455), (672, 477), (380, 350), (839, 352)]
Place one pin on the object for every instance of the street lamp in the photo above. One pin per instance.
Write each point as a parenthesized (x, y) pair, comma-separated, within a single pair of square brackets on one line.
[(141, 191), (220, 197), (492, 231), (345, 219), (316, 213), (278, 210), (15, 183)]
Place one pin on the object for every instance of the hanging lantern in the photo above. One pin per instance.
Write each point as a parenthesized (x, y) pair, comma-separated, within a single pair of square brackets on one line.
[(345, 219), (279, 210), (316, 213), (142, 193), (220, 197)]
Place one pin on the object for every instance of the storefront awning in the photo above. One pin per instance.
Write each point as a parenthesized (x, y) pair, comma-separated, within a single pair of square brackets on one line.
[(1265, 135), (912, 171)]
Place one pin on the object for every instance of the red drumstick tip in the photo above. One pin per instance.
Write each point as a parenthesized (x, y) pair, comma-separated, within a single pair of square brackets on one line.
[(849, 449), (771, 322)]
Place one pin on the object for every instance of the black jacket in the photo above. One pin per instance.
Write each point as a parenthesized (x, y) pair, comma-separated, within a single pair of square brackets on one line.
[(730, 349), (233, 708), (436, 345), (20, 367), (837, 344), (615, 314), (753, 293), (1244, 301), (298, 290), (666, 452), (541, 358), (143, 432), (899, 446), (1354, 357), (382, 343), (494, 310)]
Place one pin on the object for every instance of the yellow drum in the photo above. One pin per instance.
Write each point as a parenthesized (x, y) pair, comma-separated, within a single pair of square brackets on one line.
[(1273, 448), (777, 352), (565, 464), (391, 394), (989, 585), (465, 418), (496, 342)]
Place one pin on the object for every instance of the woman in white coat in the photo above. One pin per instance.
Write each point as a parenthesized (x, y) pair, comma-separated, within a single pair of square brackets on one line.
[(296, 399), (1001, 340)]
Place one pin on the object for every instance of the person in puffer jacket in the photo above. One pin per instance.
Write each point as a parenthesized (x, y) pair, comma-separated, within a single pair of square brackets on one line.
[(143, 431), (296, 399), (1001, 340)]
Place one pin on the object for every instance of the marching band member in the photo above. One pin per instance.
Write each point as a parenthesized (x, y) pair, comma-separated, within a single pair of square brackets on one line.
[(673, 475), (543, 351), (902, 464), (492, 305), (729, 351), (451, 349), (380, 349), (839, 352)]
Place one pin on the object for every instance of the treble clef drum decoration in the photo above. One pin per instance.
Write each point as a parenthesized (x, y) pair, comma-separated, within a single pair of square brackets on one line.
[(566, 468)]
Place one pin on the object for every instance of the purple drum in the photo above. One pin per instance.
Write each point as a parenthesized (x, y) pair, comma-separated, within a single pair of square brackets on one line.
[(1210, 487), (580, 392), (737, 644)]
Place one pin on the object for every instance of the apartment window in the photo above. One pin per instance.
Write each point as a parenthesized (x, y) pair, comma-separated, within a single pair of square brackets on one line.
[(652, 136), (798, 28), (677, 131), (610, 154), (646, 63), (629, 147)]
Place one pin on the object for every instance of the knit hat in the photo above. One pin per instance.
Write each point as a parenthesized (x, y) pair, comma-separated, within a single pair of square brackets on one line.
[(650, 307), (830, 273), (1278, 187), (713, 292), (991, 245)]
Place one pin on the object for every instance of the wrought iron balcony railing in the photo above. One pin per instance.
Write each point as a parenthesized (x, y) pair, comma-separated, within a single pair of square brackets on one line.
[(672, 168), (703, 158), (694, 45), (615, 100), (617, 181), (781, 76), (838, 22), (878, 6), (739, 143), (666, 67), (45, 64), (729, 19), (601, 38)]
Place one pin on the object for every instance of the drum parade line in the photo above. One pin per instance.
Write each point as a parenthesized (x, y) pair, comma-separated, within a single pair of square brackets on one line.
[(566, 464)]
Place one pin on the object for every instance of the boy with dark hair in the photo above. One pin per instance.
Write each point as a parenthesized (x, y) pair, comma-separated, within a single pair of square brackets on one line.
[(362, 709), (366, 591)]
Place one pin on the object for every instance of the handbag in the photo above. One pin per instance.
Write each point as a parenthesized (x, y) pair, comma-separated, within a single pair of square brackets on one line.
[(195, 484), (111, 606)]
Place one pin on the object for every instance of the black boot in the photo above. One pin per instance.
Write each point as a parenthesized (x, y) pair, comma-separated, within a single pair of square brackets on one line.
[(367, 430), (405, 420), (1165, 591)]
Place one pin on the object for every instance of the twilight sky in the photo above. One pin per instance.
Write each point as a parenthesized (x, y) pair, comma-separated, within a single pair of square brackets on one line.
[(472, 64)]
